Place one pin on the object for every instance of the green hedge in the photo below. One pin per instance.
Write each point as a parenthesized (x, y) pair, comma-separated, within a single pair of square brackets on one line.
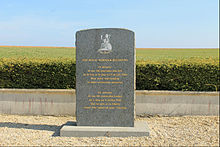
[(60, 74), (37, 73), (183, 77)]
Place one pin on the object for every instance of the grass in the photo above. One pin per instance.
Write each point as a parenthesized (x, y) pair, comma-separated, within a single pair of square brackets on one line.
[(160, 54), (37, 52), (141, 54)]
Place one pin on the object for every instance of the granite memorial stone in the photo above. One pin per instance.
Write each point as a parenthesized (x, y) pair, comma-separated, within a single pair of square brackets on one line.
[(105, 83), (105, 72)]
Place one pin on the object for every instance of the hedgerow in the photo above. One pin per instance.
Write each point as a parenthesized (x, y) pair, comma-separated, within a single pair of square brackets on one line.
[(37, 73), (60, 74)]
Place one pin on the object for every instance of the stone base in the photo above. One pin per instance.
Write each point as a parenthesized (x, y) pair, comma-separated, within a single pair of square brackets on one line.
[(71, 130)]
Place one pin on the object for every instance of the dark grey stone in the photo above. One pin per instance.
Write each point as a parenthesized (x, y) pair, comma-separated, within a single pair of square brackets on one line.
[(105, 75)]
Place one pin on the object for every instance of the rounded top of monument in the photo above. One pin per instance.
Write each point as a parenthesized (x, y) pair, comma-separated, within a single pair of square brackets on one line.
[(105, 29)]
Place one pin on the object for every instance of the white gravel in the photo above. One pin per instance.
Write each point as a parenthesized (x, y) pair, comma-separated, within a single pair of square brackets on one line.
[(165, 131)]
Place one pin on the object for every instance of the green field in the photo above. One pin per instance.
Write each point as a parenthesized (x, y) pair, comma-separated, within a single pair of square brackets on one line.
[(141, 54), (36, 52), (155, 54)]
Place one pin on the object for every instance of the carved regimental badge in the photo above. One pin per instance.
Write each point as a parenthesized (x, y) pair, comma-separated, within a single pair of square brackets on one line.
[(106, 47)]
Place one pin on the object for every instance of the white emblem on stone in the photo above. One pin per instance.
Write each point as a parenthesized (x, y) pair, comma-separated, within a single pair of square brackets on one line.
[(106, 47)]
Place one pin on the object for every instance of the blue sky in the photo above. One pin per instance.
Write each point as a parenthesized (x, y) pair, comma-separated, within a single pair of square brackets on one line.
[(156, 23)]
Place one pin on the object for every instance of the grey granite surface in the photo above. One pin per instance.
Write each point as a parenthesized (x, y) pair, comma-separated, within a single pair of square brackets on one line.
[(105, 72)]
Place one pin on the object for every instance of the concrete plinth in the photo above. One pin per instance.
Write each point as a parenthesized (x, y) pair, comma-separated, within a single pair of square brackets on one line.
[(71, 130)]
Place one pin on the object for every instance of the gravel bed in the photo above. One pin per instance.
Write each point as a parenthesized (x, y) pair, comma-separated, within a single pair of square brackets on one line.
[(164, 131)]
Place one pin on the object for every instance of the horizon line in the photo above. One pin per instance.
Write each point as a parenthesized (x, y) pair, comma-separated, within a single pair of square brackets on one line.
[(135, 48)]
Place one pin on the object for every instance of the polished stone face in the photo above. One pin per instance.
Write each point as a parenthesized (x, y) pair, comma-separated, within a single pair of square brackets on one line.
[(105, 73)]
